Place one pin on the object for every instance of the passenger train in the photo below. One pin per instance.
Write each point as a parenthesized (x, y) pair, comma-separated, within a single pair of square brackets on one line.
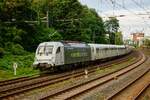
[(55, 55)]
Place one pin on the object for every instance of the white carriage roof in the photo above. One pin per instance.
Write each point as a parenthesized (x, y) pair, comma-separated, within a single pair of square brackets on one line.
[(107, 46), (82, 44)]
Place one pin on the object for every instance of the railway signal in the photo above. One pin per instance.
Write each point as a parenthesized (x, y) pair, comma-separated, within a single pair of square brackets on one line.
[(15, 68)]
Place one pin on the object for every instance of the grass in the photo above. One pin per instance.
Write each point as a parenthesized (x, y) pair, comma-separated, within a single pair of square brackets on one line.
[(114, 67), (24, 68)]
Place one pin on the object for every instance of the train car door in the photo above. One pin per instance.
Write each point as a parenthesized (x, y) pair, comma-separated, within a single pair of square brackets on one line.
[(92, 53)]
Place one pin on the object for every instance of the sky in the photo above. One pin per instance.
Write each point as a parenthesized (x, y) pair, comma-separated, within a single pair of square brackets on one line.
[(136, 14)]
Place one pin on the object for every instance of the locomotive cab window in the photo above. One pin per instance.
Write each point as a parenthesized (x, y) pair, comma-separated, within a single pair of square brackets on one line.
[(49, 50), (58, 50), (41, 50), (45, 50)]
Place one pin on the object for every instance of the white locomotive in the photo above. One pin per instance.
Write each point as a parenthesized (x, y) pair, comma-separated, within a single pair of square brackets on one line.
[(60, 54)]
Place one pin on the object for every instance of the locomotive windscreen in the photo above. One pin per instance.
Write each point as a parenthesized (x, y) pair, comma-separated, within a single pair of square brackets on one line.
[(45, 50)]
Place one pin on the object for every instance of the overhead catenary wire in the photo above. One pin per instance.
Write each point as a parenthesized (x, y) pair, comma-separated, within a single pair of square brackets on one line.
[(113, 6), (131, 12), (122, 5), (139, 5)]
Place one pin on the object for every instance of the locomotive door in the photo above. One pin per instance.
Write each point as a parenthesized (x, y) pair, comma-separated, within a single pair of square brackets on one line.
[(59, 56)]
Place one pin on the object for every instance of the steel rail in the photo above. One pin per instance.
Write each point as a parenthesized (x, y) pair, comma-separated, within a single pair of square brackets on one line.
[(85, 83)]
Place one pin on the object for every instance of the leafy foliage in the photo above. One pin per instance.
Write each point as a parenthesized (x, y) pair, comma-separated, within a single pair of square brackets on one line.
[(17, 10), (22, 22), (147, 43), (54, 35), (112, 26), (1, 52), (25, 60), (26, 23), (118, 38), (17, 49)]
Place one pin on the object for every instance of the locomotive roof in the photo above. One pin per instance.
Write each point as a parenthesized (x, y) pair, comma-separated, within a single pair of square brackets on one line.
[(50, 43)]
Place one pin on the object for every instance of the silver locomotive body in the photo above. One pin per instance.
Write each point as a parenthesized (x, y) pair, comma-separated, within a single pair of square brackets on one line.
[(52, 54)]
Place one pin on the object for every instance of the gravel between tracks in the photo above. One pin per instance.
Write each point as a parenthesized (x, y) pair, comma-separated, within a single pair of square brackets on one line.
[(132, 91), (112, 87), (44, 93)]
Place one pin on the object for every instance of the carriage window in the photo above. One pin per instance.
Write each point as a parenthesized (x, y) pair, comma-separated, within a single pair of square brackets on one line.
[(92, 49), (97, 50), (58, 50)]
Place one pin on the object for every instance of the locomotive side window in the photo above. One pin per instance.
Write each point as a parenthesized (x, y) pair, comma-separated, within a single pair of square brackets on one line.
[(58, 50)]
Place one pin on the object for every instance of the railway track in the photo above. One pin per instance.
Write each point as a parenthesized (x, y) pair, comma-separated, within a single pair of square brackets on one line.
[(16, 80), (27, 78), (130, 90), (142, 91), (136, 95), (78, 89), (26, 85)]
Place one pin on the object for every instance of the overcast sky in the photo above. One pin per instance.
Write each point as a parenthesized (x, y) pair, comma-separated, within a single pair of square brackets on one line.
[(137, 13)]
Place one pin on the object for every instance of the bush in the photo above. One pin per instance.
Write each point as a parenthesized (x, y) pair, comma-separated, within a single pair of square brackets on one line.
[(8, 46), (1, 52), (24, 63), (17, 49), (7, 61)]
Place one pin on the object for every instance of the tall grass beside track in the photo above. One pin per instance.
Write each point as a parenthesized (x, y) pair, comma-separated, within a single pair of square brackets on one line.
[(23, 61)]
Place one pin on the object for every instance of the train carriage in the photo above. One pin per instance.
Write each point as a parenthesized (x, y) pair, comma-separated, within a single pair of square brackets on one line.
[(102, 51)]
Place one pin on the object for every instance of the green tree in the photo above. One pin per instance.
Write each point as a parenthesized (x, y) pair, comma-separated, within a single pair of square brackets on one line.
[(118, 38), (112, 26), (95, 24), (74, 21), (17, 23), (16, 10), (24, 23), (147, 43)]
